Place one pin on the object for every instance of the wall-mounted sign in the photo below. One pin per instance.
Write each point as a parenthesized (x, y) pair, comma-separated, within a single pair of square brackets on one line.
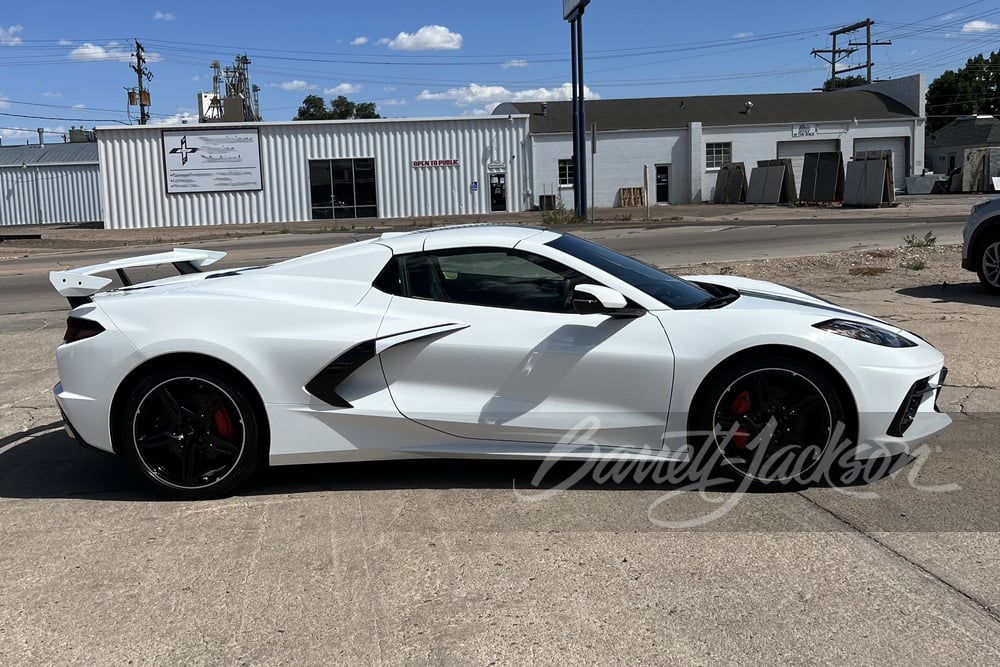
[(474, 186), (804, 130), (496, 165), (418, 164), (218, 160)]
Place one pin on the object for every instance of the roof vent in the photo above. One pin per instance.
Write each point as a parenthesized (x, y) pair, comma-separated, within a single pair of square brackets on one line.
[(545, 109)]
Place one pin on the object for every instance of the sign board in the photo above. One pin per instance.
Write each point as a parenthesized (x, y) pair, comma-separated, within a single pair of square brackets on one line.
[(804, 130), (218, 160), (474, 187), (496, 165), (570, 8), (421, 164)]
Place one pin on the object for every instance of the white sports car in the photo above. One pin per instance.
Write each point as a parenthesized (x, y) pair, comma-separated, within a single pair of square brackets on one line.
[(476, 341)]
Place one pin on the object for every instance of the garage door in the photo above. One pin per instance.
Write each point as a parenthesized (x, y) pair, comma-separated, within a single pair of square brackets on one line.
[(899, 155), (796, 150)]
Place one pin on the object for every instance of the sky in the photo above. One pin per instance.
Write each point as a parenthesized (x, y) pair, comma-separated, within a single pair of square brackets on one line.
[(67, 64)]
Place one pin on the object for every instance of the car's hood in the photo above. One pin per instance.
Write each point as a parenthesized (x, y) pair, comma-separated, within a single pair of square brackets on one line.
[(761, 289)]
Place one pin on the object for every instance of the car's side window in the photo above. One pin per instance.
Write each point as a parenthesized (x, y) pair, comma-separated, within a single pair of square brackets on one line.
[(494, 277)]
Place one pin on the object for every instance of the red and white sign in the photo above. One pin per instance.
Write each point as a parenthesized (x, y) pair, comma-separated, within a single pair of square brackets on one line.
[(420, 164)]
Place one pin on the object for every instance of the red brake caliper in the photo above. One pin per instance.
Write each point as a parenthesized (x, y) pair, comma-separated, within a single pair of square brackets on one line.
[(741, 406), (224, 425)]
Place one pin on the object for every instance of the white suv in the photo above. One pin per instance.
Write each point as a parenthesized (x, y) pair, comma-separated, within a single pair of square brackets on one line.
[(981, 243)]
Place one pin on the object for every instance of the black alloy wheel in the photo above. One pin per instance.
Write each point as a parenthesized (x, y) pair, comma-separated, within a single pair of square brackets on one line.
[(771, 422), (192, 434)]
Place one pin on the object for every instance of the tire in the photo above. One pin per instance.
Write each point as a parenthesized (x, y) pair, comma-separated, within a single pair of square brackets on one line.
[(733, 417), (192, 433), (989, 263)]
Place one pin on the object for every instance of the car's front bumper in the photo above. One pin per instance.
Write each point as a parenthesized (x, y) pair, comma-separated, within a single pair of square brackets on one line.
[(883, 434)]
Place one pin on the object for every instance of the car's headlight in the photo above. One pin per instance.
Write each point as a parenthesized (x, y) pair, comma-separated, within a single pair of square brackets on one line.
[(868, 333)]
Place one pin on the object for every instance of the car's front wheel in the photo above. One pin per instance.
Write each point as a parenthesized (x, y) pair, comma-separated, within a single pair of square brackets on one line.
[(989, 264), (193, 433), (770, 421)]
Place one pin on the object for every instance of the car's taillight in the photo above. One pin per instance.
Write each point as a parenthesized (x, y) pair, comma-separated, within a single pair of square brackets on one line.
[(78, 328)]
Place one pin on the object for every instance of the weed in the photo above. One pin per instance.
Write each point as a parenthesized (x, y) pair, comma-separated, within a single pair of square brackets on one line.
[(284, 230), (925, 241), (915, 264), (726, 271), (560, 215), (881, 253), (622, 217), (867, 270)]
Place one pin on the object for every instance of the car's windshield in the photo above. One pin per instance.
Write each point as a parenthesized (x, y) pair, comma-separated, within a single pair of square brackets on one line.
[(671, 290)]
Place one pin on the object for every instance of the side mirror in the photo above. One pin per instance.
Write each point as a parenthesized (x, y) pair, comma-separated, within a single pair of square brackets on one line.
[(596, 299)]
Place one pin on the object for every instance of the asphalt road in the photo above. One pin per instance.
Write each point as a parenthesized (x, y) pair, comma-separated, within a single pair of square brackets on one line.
[(433, 562)]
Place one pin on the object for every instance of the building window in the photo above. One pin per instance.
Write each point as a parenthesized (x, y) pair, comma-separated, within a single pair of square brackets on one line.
[(343, 188), (565, 172), (718, 154)]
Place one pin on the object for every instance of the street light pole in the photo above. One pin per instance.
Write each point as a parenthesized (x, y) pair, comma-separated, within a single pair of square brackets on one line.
[(573, 12)]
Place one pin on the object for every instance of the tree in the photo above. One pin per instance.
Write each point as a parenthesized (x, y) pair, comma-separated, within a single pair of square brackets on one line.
[(844, 82), (972, 89), (314, 108)]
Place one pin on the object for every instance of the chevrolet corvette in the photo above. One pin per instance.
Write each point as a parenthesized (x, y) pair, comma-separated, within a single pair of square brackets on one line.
[(476, 341)]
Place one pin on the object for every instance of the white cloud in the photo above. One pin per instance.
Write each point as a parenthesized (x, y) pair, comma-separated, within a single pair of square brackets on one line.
[(490, 96), (183, 117), (113, 51), (163, 16), (31, 134), (65, 42), (358, 41), (8, 36), (428, 38), (742, 35), (389, 89), (79, 106), (392, 103), (979, 26), (51, 94), (295, 84), (4, 104), (196, 77), (342, 89), (951, 16), (514, 63)]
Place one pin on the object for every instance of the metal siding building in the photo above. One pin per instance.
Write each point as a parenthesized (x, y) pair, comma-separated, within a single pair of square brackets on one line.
[(422, 167), (49, 183)]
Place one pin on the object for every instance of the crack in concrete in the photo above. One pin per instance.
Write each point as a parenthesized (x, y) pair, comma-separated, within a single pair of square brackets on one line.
[(981, 605)]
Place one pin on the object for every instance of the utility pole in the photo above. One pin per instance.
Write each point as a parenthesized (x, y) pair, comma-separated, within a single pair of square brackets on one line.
[(143, 74), (868, 44), (836, 55)]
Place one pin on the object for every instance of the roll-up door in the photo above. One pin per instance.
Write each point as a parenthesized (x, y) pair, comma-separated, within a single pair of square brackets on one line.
[(899, 155)]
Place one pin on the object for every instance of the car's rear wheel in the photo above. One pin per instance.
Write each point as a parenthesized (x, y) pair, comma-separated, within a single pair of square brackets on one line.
[(193, 433), (989, 264), (771, 421)]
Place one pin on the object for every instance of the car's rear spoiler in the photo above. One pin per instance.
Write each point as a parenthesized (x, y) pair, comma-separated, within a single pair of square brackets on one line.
[(77, 285)]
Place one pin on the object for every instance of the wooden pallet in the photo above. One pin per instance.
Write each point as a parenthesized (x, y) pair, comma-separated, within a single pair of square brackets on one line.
[(631, 197)]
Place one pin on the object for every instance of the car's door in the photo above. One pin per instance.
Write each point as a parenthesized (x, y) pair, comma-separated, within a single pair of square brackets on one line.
[(511, 360)]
